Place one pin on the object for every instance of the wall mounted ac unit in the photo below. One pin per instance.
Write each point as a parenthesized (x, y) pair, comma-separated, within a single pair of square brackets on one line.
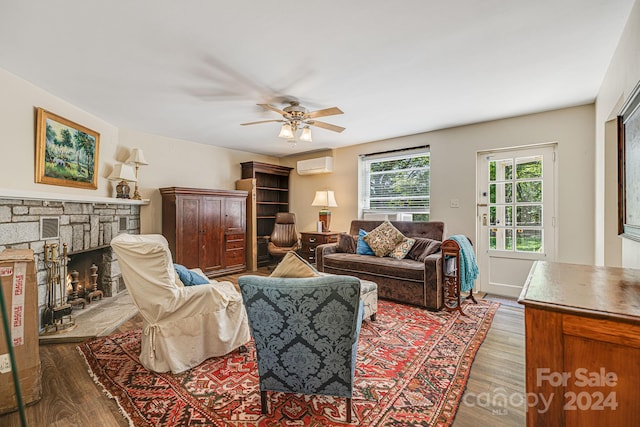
[(313, 166)]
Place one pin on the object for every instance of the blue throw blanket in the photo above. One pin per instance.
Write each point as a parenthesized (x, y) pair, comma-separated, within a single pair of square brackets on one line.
[(468, 266)]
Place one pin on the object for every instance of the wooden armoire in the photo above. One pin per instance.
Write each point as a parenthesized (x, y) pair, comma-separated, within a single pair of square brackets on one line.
[(271, 197), (205, 228)]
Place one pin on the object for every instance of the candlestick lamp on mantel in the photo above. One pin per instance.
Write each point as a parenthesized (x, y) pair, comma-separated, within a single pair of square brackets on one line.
[(123, 173)]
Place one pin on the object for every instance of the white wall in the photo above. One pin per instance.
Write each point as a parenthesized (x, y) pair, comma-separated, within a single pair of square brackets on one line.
[(176, 163), (453, 174), (18, 102), (621, 77), (171, 162)]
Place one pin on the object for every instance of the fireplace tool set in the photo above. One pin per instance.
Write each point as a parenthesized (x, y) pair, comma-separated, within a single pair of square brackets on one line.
[(57, 315), (64, 291)]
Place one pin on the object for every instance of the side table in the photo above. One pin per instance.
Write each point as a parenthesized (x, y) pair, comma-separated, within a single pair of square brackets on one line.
[(311, 239)]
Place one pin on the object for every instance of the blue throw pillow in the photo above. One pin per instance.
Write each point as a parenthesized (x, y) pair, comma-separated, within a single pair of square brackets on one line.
[(363, 248), (188, 277)]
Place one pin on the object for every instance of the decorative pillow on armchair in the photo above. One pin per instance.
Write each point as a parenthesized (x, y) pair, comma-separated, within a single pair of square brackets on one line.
[(188, 277), (383, 239)]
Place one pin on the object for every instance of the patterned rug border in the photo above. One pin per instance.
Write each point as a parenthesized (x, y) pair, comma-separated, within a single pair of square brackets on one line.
[(377, 415)]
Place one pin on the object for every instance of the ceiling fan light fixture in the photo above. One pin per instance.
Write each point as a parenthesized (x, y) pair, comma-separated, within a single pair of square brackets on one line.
[(306, 134), (285, 131)]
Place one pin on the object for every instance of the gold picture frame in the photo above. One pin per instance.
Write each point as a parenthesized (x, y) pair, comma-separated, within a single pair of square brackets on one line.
[(66, 152)]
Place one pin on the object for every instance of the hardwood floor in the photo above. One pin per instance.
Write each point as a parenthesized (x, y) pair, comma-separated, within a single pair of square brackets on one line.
[(495, 394), (71, 398)]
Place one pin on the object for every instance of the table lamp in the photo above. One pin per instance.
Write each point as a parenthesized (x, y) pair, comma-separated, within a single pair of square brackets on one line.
[(136, 158), (326, 199), (123, 173)]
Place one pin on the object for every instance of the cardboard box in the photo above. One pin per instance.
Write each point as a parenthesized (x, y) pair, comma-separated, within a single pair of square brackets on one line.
[(20, 290)]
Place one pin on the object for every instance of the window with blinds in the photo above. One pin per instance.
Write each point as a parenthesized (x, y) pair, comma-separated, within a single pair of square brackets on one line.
[(396, 184)]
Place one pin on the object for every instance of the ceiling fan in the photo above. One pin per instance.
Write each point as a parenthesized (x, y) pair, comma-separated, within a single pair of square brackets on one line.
[(296, 117)]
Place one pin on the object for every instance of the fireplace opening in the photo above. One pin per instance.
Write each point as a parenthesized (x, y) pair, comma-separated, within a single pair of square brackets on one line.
[(88, 274)]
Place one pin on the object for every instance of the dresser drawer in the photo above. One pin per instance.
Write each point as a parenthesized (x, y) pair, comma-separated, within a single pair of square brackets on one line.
[(310, 240), (235, 257), (235, 244)]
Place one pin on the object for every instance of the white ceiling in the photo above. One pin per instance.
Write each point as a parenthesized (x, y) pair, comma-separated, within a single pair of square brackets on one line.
[(194, 70)]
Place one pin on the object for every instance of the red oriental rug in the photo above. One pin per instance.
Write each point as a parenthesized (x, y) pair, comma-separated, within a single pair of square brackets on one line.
[(412, 369)]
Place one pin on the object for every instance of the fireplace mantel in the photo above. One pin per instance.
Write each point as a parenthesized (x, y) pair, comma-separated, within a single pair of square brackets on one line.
[(6, 193)]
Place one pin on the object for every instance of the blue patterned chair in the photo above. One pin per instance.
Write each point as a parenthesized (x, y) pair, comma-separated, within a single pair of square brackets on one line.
[(306, 333)]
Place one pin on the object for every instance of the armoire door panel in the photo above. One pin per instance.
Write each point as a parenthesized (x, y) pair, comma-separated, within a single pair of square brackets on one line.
[(210, 249), (188, 224), (234, 215)]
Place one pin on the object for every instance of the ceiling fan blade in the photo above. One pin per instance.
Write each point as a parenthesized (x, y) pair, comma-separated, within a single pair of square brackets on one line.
[(272, 108), (324, 125), (322, 113), (261, 121)]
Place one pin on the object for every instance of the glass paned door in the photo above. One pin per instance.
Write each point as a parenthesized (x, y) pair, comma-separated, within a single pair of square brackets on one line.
[(516, 211)]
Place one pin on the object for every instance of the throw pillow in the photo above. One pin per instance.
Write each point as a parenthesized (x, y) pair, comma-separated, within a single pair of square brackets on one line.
[(402, 249), (383, 239), (423, 247), (293, 265), (346, 243), (362, 247), (188, 277)]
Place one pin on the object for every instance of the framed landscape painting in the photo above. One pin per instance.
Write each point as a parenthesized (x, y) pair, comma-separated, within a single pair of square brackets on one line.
[(66, 152), (629, 167)]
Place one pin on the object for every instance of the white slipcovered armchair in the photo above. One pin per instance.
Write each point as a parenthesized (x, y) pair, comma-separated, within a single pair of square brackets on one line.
[(183, 325)]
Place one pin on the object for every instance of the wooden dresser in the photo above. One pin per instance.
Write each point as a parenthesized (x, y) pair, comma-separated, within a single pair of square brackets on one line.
[(206, 228), (582, 326), (312, 239)]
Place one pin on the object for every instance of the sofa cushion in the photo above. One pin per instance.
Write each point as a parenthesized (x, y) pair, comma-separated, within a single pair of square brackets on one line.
[(293, 265), (347, 243), (406, 269), (402, 249), (362, 247), (422, 248), (383, 239)]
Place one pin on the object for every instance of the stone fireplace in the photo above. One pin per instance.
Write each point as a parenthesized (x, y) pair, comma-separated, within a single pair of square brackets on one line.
[(109, 278), (85, 227)]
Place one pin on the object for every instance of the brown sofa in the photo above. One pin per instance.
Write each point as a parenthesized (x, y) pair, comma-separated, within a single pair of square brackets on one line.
[(406, 280)]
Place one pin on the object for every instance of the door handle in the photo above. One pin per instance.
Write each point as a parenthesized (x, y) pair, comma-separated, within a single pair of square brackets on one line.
[(484, 219)]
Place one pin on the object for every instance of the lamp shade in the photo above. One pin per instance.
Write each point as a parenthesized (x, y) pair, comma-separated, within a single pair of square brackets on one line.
[(306, 134), (325, 198), (136, 157), (286, 131), (122, 172)]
